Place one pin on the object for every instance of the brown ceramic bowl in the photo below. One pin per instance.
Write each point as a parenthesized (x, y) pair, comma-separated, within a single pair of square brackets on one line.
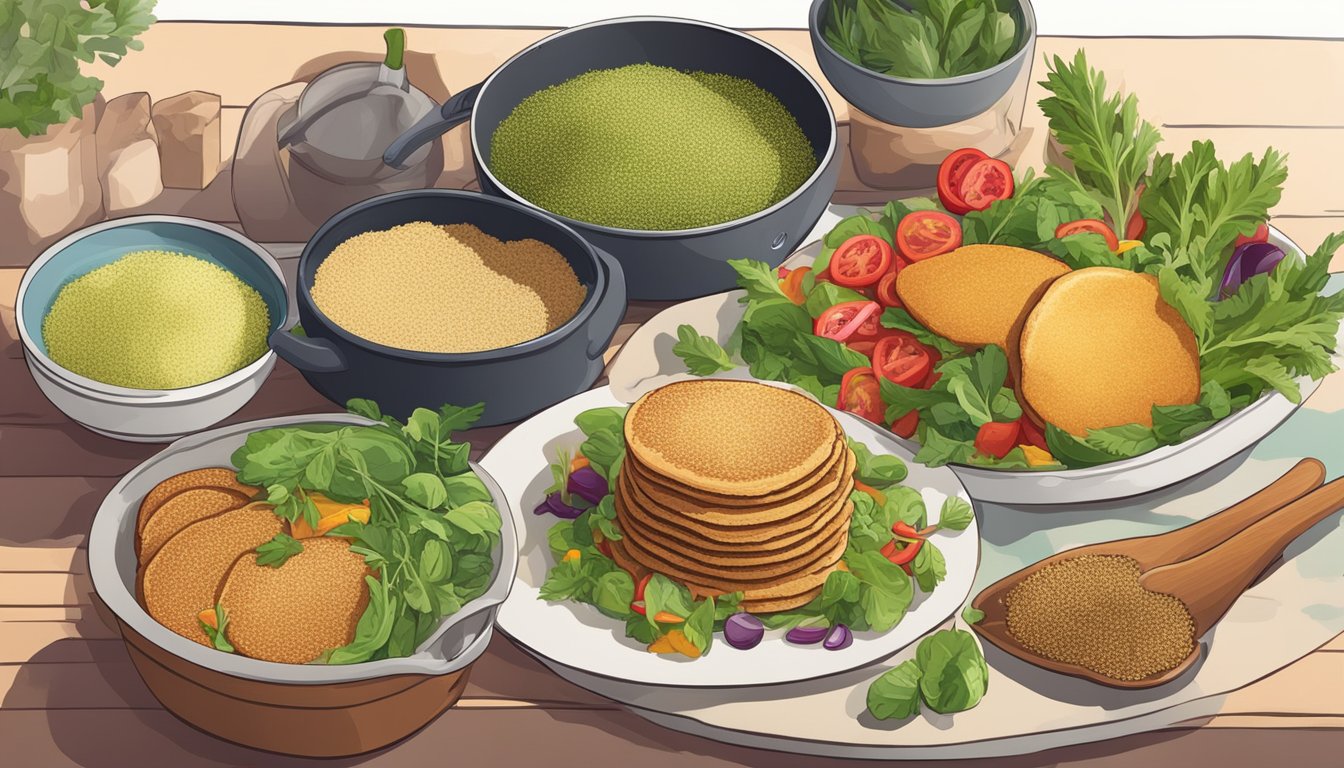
[(312, 710)]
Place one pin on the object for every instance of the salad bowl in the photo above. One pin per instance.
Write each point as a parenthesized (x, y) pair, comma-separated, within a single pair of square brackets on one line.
[(647, 361)]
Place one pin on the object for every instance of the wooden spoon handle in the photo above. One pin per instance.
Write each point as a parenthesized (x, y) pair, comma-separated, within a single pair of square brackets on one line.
[(1184, 543), (1209, 583)]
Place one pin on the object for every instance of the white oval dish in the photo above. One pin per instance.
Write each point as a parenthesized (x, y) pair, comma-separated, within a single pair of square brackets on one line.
[(579, 637), (646, 361)]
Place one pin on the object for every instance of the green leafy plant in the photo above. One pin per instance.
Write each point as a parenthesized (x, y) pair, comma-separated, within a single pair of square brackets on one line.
[(432, 528), (924, 39), (948, 674), (43, 43)]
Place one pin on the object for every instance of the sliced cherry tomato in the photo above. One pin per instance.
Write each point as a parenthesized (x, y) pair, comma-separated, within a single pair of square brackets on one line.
[(861, 260), (906, 425), (902, 360), (638, 607), (924, 234), (861, 395), (934, 359), (1260, 235), (886, 291), (986, 181), (1032, 434), (997, 438), (824, 276), (842, 320), (1094, 226), (792, 285), (951, 172), (864, 347)]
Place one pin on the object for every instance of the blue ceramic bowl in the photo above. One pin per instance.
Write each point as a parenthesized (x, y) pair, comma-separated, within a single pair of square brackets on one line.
[(144, 415)]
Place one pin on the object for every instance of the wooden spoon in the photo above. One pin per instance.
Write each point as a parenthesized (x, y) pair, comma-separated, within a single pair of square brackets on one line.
[(1207, 565)]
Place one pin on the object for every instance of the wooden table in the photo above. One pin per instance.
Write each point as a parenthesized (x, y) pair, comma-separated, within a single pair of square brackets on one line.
[(69, 695)]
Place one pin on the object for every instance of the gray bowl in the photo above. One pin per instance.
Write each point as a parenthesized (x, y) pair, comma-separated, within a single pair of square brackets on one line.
[(457, 642), (918, 102)]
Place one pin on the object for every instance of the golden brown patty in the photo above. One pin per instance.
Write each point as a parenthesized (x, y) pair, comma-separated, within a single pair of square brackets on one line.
[(689, 571), (697, 514), (181, 510), (210, 477), (1101, 348), (292, 614), (674, 527), (184, 577), (782, 596), (977, 294), (738, 438)]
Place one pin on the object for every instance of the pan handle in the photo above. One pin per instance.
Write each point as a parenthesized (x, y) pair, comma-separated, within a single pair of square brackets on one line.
[(306, 353), (611, 310), (431, 126)]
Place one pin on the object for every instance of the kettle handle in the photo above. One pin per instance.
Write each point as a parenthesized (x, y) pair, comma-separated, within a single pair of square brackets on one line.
[(296, 130), (431, 126)]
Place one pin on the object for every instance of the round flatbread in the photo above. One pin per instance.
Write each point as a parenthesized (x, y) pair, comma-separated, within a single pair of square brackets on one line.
[(179, 511), (737, 438), (209, 477)]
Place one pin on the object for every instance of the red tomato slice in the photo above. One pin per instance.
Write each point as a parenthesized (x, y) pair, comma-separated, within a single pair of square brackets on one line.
[(1032, 434), (1260, 235), (906, 425), (1094, 226), (924, 234), (861, 260), (997, 438), (864, 347), (842, 320), (861, 395), (986, 181), (934, 359), (902, 360), (951, 172), (886, 291)]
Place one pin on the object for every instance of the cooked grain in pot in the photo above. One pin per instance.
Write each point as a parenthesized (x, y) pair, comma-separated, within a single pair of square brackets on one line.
[(453, 288), (1092, 611)]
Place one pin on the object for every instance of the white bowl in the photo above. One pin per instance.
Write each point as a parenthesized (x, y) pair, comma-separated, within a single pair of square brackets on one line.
[(144, 415)]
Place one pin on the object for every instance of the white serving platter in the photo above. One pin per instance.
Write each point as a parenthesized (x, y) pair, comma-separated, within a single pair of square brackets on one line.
[(579, 638)]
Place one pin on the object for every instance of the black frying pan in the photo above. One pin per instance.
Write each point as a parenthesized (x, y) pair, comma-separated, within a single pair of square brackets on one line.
[(668, 265)]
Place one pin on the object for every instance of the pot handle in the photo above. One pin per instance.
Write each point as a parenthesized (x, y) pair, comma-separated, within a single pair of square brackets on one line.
[(431, 126), (306, 353), (611, 308)]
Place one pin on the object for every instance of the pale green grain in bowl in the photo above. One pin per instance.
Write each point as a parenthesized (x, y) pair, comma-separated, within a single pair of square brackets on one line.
[(652, 148), (156, 320)]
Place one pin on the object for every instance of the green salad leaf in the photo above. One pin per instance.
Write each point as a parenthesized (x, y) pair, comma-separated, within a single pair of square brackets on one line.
[(703, 355), (948, 674)]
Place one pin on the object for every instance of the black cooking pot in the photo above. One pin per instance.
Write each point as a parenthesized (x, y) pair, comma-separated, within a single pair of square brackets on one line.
[(513, 382), (670, 265)]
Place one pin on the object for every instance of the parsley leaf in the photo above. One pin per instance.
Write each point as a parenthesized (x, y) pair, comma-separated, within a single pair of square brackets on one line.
[(703, 356), (278, 550)]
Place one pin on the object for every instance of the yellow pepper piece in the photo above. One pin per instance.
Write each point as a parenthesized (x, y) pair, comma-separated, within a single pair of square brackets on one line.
[(663, 617), (207, 618), (842, 566), (1037, 457), (330, 514), (579, 462), (1125, 245), (662, 645), (877, 496), (682, 644), (572, 554)]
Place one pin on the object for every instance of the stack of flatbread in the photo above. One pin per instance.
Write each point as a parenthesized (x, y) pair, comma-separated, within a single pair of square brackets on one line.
[(734, 486)]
